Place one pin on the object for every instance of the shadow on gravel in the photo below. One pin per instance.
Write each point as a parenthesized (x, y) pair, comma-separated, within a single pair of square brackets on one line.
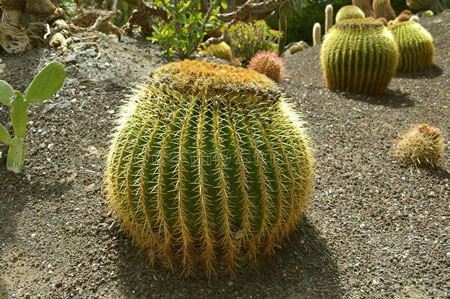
[(15, 193), (391, 98), (433, 72), (438, 172), (304, 268)]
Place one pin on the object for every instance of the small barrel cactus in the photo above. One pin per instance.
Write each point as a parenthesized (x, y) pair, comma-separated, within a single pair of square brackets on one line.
[(428, 13), (359, 56), (365, 6), (209, 166), (349, 12), (419, 4), (404, 16), (297, 47), (269, 64), (221, 50), (420, 145), (415, 45), (383, 9)]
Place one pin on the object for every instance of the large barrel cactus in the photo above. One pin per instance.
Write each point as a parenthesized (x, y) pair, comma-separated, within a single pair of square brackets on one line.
[(415, 45), (359, 56), (209, 166)]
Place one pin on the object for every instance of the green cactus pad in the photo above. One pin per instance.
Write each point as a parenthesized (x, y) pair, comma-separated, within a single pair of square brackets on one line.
[(349, 12), (359, 56), (415, 45), (208, 165)]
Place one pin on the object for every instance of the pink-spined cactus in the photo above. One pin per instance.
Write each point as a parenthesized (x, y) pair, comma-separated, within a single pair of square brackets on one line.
[(269, 64)]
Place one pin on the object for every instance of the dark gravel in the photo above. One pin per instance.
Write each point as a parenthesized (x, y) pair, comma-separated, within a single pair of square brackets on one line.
[(375, 228)]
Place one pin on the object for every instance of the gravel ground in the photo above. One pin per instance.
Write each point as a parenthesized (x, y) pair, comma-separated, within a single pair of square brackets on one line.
[(374, 229)]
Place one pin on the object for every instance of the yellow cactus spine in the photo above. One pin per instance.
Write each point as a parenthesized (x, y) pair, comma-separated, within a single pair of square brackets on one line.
[(317, 35), (415, 45), (328, 17), (349, 12), (208, 164), (359, 56), (383, 9)]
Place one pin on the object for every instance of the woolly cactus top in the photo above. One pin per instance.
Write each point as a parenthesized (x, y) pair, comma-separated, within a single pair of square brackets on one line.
[(360, 24), (396, 25), (211, 79)]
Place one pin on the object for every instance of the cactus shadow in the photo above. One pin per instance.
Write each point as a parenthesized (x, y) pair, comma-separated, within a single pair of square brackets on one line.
[(433, 72), (391, 98), (303, 267), (16, 191), (437, 172)]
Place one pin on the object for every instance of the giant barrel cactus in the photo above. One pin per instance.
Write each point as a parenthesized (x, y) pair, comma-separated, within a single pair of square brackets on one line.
[(209, 166), (415, 45), (359, 56)]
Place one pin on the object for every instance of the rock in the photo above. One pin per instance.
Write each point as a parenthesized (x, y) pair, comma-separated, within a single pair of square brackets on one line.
[(73, 58), (56, 106)]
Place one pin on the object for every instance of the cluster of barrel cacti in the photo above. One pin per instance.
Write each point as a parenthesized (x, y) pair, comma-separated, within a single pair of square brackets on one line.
[(209, 165), (359, 56), (420, 145), (269, 64)]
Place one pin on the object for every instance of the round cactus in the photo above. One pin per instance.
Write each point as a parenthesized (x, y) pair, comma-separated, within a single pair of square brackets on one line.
[(359, 56), (365, 6), (415, 45), (221, 50), (209, 164), (383, 9), (269, 64), (428, 13), (420, 145), (349, 12)]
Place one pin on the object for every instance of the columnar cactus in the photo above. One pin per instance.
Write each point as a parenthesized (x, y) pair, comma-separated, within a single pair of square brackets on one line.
[(317, 34), (419, 4), (328, 17), (365, 6), (269, 64), (415, 45), (383, 9), (221, 50), (420, 145), (349, 12), (359, 56), (209, 164)]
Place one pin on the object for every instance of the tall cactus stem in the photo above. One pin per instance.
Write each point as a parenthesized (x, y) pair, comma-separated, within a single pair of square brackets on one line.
[(317, 35)]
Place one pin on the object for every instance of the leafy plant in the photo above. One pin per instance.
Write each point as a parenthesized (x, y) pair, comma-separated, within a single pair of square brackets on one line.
[(187, 27), (44, 86), (251, 38)]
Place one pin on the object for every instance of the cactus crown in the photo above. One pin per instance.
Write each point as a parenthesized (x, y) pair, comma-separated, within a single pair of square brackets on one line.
[(209, 79), (368, 23)]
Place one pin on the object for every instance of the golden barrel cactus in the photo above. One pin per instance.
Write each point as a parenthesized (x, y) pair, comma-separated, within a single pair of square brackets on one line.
[(415, 45), (209, 164), (359, 56), (349, 12)]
